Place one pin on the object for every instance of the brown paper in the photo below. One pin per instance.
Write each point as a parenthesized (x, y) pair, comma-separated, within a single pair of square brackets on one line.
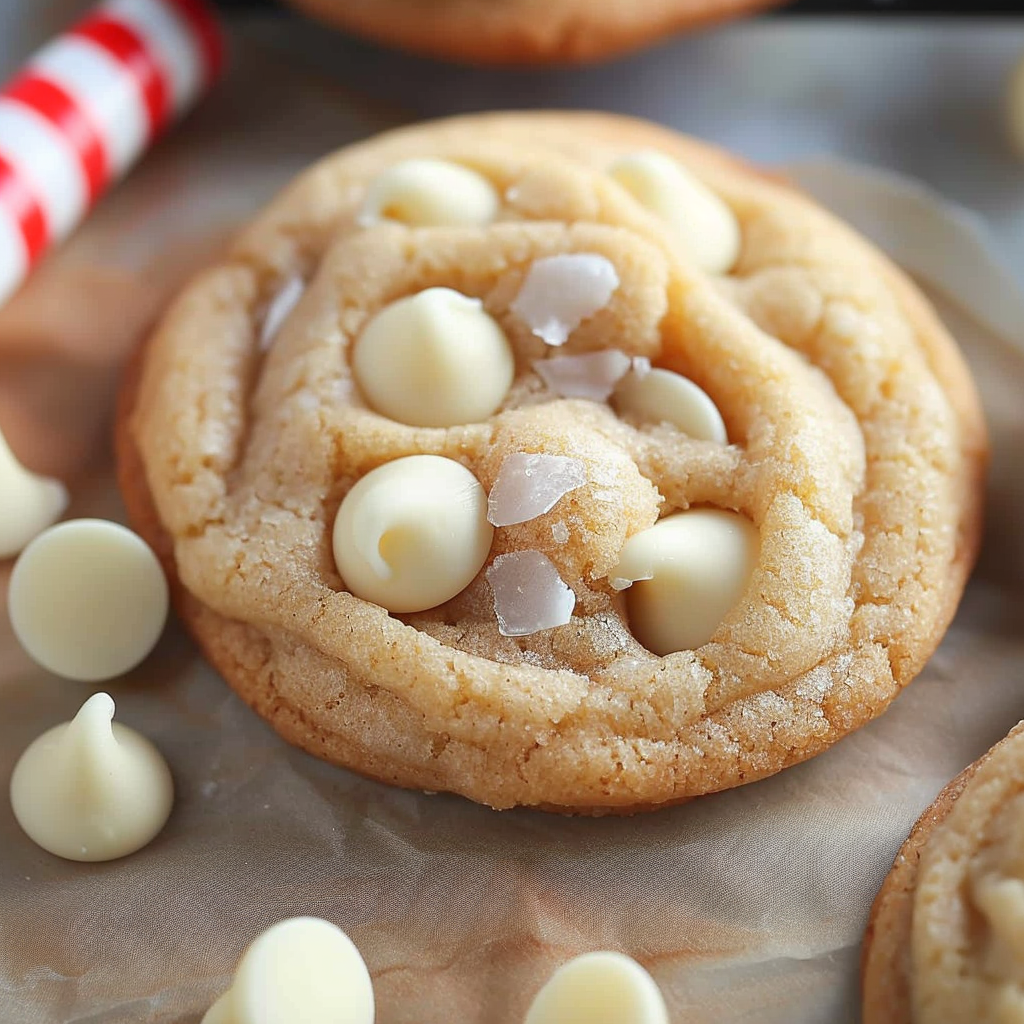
[(745, 906)]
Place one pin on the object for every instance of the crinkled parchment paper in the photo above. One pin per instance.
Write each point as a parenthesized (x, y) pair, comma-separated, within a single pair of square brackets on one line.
[(745, 906)]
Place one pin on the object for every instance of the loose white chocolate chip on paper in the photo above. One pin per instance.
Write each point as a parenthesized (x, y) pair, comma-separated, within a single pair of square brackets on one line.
[(301, 971), (434, 359), (704, 225), (92, 789), (530, 484), (592, 375), (560, 292), (599, 988), (1015, 108), (412, 533), (281, 305), (29, 503), (661, 396), (684, 575), (529, 595), (88, 599), (430, 193)]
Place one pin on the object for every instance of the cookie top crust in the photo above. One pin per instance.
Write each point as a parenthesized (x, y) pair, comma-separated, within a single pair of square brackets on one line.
[(856, 449)]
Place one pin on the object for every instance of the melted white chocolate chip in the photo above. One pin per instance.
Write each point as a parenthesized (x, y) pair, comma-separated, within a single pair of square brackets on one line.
[(300, 971), (661, 396), (88, 599), (412, 533), (704, 225), (92, 789), (684, 575), (430, 193), (29, 503), (434, 359), (599, 988)]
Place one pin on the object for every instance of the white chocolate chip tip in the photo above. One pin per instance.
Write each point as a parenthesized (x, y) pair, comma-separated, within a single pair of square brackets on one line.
[(560, 292), (706, 228), (684, 575), (92, 789), (430, 193), (303, 970), (29, 503), (661, 396), (599, 988), (434, 359), (413, 533), (88, 599)]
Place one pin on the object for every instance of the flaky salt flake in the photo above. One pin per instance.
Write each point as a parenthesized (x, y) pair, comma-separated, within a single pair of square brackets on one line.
[(560, 292), (530, 484), (529, 595), (641, 366), (280, 306), (592, 375)]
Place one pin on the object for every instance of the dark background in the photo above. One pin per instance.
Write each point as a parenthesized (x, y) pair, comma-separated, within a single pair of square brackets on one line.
[(880, 7)]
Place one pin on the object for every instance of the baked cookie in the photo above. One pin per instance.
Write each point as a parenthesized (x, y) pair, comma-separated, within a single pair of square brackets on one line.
[(523, 31), (611, 586), (943, 944)]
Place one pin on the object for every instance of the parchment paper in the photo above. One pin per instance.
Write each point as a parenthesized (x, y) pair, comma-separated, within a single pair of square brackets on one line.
[(745, 906)]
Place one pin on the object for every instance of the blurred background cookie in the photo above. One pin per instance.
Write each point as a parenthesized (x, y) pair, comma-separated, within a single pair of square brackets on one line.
[(523, 31)]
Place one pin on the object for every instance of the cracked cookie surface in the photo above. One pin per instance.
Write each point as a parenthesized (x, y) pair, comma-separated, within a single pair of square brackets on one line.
[(857, 451)]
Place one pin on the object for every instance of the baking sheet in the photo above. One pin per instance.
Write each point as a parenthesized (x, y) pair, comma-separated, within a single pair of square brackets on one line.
[(745, 906)]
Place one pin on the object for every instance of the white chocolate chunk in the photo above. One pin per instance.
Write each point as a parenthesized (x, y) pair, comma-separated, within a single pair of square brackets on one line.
[(29, 503), (301, 971), (92, 789), (430, 193), (560, 292), (88, 599), (1015, 108), (661, 396), (592, 375), (434, 359), (530, 484), (412, 533), (684, 575), (599, 988), (704, 225), (280, 307), (529, 595)]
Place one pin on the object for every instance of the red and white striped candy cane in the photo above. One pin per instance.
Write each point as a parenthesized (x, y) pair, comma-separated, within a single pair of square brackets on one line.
[(85, 106)]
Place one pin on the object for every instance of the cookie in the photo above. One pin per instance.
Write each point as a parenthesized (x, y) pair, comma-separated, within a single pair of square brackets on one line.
[(523, 31), (942, 943), (715, 466)]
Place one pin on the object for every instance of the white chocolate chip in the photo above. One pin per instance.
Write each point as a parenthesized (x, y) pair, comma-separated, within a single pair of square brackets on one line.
[(529, 595), (430, 193), (412, 533), (661, 396), (1015, 108), (434, 359), (704, 225), (592, 375), (530, 484), (29, 503), (92, 789), (599, 988), (301, 971), (686, 573), (560, 292), (281, 305), (88, 599)]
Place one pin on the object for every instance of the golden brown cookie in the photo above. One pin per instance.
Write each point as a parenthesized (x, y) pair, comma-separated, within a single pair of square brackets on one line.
[(523, 31), (855, 460), (939, 945)]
